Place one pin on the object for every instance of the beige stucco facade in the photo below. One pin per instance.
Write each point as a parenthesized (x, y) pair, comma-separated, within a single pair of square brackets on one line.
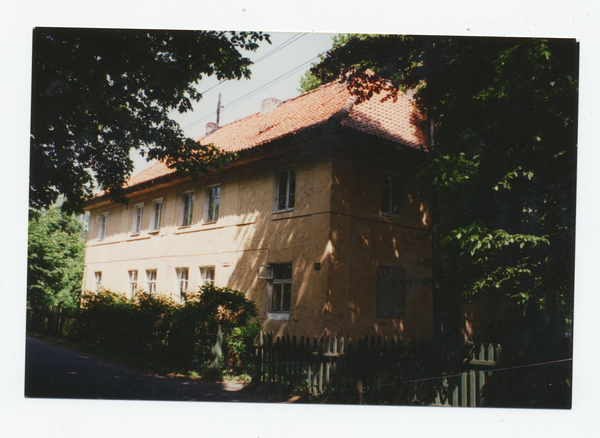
[(336, 222)]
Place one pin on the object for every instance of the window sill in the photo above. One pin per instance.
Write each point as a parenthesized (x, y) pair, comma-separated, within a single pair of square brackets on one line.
[(391, 216), (153, 231), (283, 316), (134, 234), (210, 222), (287, 210)]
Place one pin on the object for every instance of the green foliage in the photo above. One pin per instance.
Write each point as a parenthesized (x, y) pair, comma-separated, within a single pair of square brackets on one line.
[(98, 94), (173, 333), (56, 252), (238, 346), (503, 159), (309, 82)]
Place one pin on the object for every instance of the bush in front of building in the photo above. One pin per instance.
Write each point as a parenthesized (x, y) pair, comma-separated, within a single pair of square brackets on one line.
[(176, 334)]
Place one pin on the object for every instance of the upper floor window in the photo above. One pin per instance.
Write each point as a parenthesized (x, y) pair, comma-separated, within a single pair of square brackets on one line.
[(286, 189), (137, 219), (182, 281), (213, 197), (133, 279), (156, 214), (151, 280), (98, 280), (391, 195), (102, 222), (187, 207), (391, 292), (207, 274)]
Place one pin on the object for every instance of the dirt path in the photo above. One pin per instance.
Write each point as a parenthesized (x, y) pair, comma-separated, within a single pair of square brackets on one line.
[(54, 372)]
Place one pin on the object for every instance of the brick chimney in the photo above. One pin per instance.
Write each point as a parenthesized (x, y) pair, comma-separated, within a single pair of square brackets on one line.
[(211, 127)]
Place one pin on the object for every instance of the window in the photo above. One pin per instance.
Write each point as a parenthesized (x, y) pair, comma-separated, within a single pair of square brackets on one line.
[(137, 219), (182, 281), (213, 196), (286, 190), (133, 278), (208, 275), (281, 288), (151, 281), (98, 280), (391, 195), (391, 292), (102, 222), (156, 214), (187, 206)]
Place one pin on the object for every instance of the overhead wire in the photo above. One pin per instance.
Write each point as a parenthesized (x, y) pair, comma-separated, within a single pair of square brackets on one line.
[(286, 43), (257, 90)]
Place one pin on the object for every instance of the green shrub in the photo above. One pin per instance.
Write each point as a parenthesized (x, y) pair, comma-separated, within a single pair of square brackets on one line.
[(176, 334)]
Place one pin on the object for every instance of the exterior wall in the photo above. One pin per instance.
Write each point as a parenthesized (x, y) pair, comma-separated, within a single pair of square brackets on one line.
[(336, 222), (247, 233), (364, 238)]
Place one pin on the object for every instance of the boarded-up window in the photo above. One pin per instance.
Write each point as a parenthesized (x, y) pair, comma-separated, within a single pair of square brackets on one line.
[(391, 292)]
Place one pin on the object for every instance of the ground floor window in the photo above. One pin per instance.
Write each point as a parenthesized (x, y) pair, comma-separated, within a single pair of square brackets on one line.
[(182, 281), (151, 281), (133, 278), (207, 274), (391, 292), (98, 280), (281, 288)]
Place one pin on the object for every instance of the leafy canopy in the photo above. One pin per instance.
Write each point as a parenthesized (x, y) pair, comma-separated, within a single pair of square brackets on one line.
[(503, 153), (56, 252), (98, 94)]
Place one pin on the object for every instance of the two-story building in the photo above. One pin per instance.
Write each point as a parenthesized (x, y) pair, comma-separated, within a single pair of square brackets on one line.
[(320, 221)]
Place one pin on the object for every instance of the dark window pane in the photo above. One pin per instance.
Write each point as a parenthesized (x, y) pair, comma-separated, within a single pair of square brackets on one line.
[(292, 189), (397, 195), (287, 297), (386, 193), (281, 198), (276, 303)]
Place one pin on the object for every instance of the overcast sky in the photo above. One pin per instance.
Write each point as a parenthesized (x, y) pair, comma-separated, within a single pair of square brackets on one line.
[(276, 73)]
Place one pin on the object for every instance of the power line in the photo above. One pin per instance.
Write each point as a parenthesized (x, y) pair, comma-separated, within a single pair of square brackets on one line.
[(286, 43), (253, 92)]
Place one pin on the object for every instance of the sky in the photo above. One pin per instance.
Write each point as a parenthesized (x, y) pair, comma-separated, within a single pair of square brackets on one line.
[(276, 73)]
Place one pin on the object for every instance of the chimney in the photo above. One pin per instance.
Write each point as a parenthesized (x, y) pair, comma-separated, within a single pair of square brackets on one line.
[(211, 127), (269, 104)]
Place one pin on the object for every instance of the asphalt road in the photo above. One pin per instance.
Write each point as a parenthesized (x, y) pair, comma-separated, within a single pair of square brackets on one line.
[(54, 372)]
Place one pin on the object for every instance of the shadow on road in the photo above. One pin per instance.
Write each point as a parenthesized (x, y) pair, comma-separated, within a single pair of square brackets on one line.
[(54, 372)]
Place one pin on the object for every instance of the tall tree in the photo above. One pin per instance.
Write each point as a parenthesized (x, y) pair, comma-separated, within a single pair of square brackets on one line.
[(502, 123), (100, 93), (56, 252)]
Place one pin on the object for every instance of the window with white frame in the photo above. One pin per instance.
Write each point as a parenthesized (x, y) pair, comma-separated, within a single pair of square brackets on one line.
[(187, 207), (207, 275), (391, 292), (182, 281), (133, 280), (391, 195), (156, 214), (102, 223), (151, 280), (138, 211), (285, 190), (98, 280), (280, 293), (213, 197)]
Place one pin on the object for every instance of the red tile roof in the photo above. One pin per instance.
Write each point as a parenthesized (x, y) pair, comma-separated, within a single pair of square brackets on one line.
[(394, 121)]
